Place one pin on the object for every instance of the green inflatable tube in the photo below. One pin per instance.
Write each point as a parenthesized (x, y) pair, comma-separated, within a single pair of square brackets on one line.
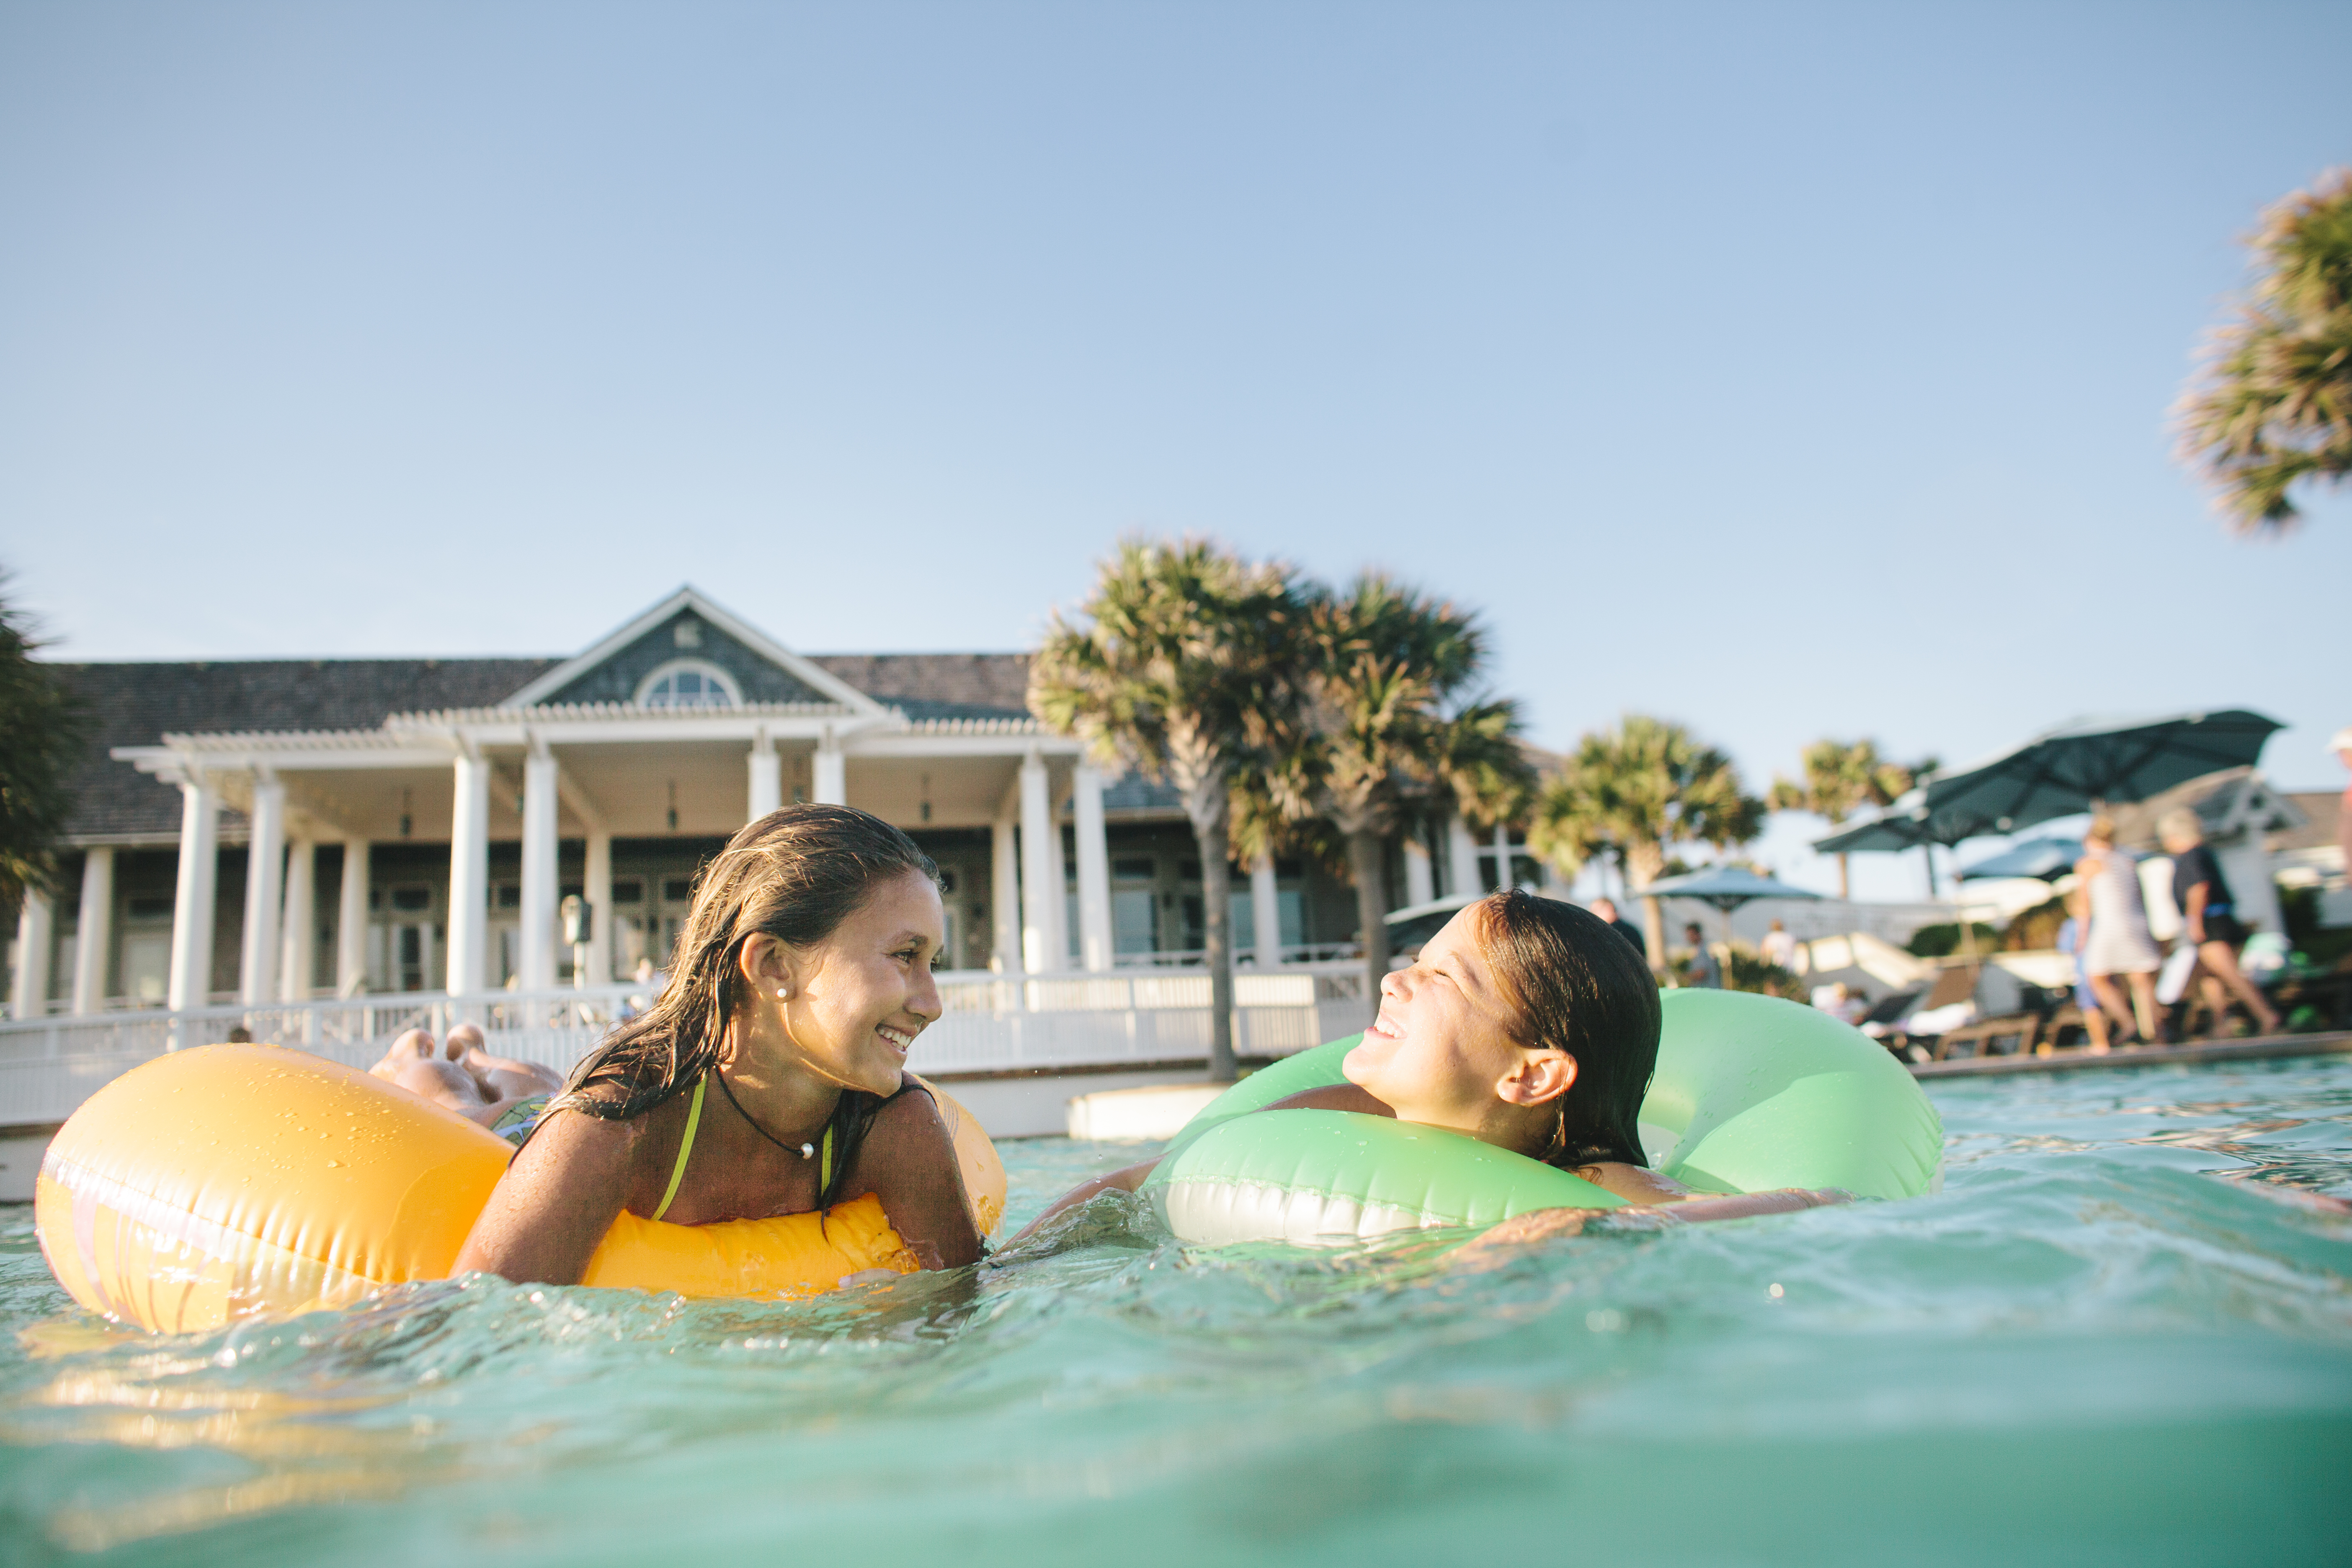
[(1751, 1094)]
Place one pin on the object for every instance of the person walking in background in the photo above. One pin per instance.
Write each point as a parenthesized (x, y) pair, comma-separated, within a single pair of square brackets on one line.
[(1779, 948), (2207, 923), (2118, 945), (2071, 932), (2342, 746), (1606, 909), (1706, 969)]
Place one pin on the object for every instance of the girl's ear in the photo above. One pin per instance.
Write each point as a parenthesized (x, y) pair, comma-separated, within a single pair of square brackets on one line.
[(766, 966), (1537, 1078)]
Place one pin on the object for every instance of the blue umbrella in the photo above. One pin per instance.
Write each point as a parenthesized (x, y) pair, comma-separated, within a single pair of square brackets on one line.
[(2047, 859), (1725, 887)]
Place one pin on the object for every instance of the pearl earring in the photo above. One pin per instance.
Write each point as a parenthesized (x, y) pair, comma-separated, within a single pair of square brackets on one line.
[(784, 992)]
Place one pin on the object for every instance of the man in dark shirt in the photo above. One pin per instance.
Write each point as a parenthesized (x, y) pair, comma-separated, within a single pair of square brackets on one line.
[(1607, 910), (1706, 969), (2207, 922)]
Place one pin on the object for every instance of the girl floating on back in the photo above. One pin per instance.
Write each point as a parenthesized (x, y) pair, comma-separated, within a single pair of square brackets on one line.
[(1530, 1025)]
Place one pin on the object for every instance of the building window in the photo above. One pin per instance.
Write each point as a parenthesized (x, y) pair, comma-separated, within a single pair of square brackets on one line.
[(688, 683)]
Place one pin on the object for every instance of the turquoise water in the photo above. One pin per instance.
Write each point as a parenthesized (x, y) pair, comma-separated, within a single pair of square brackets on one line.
[(2122, 1332)]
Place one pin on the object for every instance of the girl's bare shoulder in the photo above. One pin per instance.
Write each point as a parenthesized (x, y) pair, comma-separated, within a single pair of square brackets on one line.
[(591, 1147)]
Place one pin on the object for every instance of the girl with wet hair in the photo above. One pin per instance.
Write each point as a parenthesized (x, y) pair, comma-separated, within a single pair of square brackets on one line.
[(1529, 1023), (769, 1078)]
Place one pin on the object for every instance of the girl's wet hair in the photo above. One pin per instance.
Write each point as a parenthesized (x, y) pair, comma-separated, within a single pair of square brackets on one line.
[(1576, 985), (796, 875)]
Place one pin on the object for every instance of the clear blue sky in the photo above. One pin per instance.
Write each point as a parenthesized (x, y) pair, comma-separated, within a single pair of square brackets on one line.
[(1786, 370)]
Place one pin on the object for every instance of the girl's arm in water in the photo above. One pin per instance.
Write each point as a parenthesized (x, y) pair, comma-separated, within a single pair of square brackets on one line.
[(909, 1161), (556, 1201), (1541, 1224), (1334, 1097)]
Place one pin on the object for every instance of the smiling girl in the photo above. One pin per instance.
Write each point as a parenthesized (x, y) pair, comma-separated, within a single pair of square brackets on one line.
[(1526, 1024), (770, 1078)]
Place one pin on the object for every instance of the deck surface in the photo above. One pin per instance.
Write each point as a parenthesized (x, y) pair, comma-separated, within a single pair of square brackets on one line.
[(2077, 1059)]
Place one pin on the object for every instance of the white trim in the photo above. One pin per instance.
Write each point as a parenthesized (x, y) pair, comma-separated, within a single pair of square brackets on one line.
[(711, 676), (688, 597), (876, 744)]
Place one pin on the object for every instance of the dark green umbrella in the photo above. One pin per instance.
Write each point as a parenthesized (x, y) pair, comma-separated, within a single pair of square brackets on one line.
[(2081, 766), (2073, 768)]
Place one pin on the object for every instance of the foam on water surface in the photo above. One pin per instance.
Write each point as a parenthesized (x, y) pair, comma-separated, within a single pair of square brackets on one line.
[(2122, 1332)]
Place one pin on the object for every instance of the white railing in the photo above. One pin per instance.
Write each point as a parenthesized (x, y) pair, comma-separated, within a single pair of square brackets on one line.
[(991, 1023), (1245, 958)]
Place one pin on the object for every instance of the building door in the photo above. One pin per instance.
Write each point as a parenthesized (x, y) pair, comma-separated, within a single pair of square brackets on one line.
[(412, 952), (146, 967), (1134, 921)]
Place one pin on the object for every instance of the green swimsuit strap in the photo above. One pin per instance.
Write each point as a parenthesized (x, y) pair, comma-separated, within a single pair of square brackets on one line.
[(685, 1147)]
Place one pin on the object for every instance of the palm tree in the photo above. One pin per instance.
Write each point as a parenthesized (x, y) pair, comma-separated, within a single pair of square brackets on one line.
[(1840, 778), (1638, 791), (1178, 668), (2273, 406), (1395, 729), (40, 741)]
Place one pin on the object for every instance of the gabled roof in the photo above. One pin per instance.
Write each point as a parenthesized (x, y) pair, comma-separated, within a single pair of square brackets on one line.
[(2229, 803), (687, 598)]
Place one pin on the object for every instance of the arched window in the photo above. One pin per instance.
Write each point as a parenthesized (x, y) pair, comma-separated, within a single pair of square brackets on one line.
[(688, 683)]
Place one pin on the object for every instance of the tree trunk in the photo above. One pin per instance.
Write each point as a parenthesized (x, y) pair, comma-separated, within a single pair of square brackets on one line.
[(1642, 867), (1215, 840), (1367, 863)]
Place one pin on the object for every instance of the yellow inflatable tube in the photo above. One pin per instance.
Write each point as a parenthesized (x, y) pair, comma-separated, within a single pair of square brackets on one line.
[(232, 1180)]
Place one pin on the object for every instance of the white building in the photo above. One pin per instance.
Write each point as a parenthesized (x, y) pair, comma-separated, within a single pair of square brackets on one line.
[(278, 830)]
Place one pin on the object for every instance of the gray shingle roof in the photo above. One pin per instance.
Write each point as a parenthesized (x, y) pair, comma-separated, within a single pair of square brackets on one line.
[(938, 684), (136, 704)]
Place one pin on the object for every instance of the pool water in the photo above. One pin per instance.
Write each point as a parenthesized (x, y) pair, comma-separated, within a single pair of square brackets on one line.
[(2122, 1332)]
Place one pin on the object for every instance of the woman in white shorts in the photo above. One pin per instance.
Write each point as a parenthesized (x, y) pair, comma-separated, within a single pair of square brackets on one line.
[(2118, 946)]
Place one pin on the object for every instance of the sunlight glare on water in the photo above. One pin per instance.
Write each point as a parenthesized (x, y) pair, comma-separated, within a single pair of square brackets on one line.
[(2121, 1333)]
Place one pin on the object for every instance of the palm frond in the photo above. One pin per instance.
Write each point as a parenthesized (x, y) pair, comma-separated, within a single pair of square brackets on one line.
[(2271, 409)]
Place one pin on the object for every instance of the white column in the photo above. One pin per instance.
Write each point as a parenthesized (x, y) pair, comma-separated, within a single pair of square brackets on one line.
[(94, 931), (352, 920), (1004, 895), (1044, 949), (767, 778), (1265, 911), (1420, 884), (830, 784), (1094, 869), (535, 962), (1461, 858), (265, 861), (191, 981), (36, 935), (469, 876), (1503, 882), (299, 938), (596, 887)]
